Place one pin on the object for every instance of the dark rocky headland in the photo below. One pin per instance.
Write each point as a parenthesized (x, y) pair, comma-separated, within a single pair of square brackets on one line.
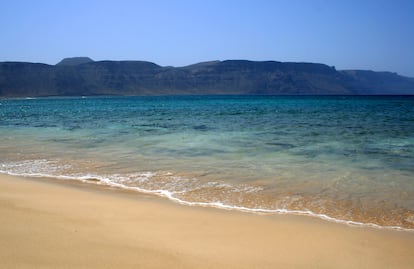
[(83, 76)]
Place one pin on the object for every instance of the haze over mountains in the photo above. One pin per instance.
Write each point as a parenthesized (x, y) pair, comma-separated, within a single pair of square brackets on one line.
[(83, 76)]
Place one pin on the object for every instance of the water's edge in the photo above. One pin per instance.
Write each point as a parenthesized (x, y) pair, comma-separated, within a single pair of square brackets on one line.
[(99, 180)]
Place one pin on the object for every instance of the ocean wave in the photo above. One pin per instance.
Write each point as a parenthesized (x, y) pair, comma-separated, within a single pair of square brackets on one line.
[(166, 185)]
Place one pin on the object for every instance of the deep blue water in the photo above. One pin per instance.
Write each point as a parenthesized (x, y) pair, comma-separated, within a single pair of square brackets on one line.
[(346, 157)]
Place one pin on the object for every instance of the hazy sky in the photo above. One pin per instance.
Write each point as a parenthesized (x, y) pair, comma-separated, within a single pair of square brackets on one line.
[(348, 34)]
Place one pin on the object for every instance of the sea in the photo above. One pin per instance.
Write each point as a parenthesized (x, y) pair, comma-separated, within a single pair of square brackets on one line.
[(347, 159)]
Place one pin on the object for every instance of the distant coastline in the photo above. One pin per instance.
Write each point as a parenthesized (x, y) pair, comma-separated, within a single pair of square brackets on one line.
[(81, 76)]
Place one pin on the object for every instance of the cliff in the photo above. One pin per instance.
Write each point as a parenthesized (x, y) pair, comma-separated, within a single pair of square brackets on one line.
[(82, 76)]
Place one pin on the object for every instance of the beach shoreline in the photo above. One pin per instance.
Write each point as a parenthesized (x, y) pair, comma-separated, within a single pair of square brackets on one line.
[(51, 224)]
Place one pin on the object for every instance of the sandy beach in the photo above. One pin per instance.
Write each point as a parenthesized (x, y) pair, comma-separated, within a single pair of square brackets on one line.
[(53, 224)]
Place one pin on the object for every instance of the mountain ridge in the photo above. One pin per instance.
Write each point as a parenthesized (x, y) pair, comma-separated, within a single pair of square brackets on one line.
[(74, 61), (83, 76)]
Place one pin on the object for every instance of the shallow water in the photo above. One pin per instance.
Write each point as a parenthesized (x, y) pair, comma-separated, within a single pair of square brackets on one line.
[(347, 158)]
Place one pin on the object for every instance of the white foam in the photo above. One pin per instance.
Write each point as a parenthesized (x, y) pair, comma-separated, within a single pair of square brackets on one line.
[(116, 181), (32, 167)]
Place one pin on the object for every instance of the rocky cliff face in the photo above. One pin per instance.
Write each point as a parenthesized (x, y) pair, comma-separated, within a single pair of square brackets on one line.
[(82, 76)]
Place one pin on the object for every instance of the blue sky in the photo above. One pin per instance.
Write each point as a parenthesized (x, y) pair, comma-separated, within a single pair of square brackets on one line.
[(376, 35)]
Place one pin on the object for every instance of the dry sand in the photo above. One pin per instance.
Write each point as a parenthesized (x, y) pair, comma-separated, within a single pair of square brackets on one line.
[(46, 224)]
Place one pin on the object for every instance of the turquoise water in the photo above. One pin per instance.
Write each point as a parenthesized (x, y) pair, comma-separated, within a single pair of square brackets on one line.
[(343, 158)]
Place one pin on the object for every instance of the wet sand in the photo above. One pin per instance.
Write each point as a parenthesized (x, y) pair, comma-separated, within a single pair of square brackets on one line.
[(53, 224)]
